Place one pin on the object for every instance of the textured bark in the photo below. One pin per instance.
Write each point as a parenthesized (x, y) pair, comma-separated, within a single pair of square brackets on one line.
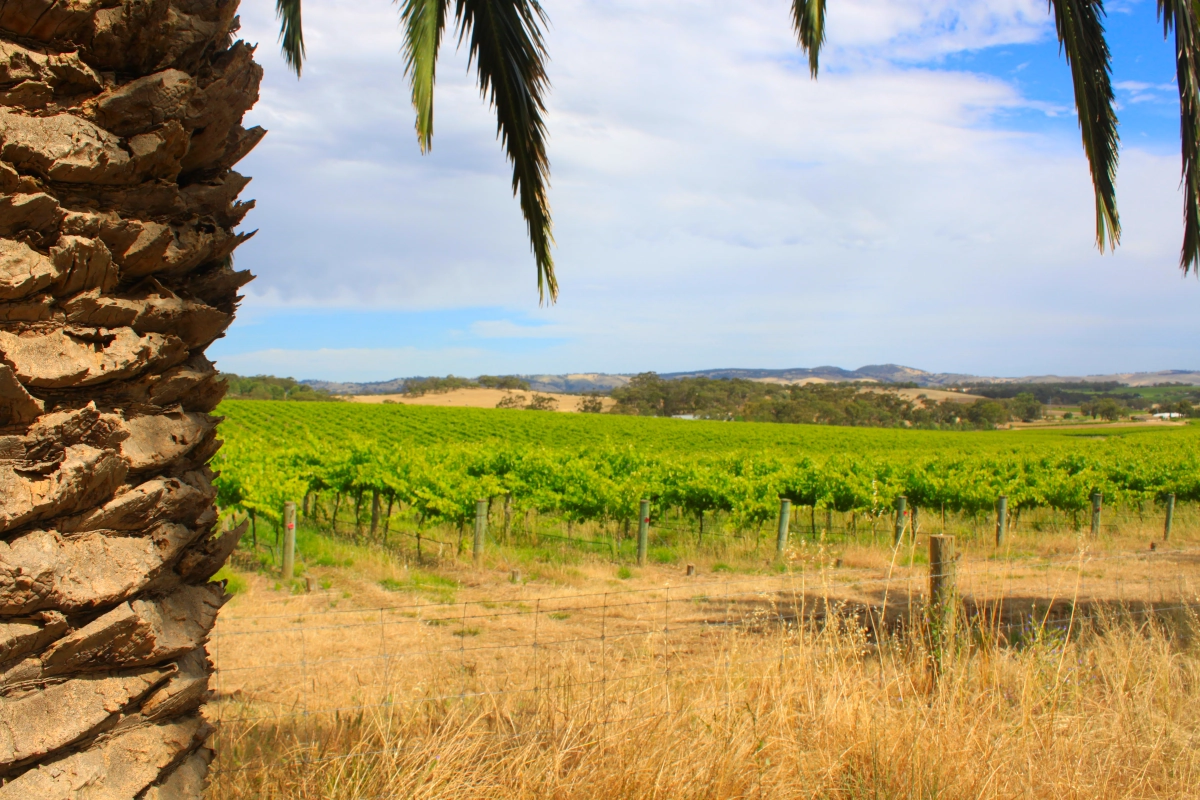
[(120, 122)]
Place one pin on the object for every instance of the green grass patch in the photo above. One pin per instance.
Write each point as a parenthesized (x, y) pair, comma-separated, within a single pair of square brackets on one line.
[(559, 615), (436, 587), (663, 555), (624, 573)]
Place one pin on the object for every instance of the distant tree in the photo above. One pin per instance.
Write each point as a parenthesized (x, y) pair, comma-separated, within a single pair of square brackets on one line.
[(645, 395), (591, 404), (512, 401), (422, 386), (542, 402), (502, 382), (1109, 409), (987, 413), (1025, 407), (269, 387)]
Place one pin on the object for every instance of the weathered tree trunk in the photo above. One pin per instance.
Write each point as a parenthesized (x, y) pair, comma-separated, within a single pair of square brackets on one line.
[(119, 123)]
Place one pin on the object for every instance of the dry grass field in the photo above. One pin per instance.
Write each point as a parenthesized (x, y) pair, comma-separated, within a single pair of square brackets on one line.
[(475, 398), (1071, 671)]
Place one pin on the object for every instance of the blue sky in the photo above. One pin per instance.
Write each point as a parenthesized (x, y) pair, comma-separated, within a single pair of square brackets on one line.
[(924, 203)]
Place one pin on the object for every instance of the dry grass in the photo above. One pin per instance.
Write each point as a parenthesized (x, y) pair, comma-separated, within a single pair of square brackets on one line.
[(476, 398), (785, 714), (1076, 675), (695, 690)]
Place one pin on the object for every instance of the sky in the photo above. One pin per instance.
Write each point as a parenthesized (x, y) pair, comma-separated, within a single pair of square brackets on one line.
[(925, 202)]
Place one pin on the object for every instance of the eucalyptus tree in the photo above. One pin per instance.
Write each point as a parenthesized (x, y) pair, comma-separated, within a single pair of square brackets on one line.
[(120, 126)]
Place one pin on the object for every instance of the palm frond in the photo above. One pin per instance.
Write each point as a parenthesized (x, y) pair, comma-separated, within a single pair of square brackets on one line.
[(1081, 36), (291, 33), (508, 51), (1181, 15), (808, 18), (424, 21)]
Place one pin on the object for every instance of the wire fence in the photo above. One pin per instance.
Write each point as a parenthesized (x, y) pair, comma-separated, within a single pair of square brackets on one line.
[(675, 534), (313, 660)]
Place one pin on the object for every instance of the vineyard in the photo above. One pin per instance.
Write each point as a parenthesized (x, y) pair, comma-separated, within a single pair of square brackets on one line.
[(552, 665), (432, 465)]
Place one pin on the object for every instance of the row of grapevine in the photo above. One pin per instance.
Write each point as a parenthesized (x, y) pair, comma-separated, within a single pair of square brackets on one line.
[(264, 464)]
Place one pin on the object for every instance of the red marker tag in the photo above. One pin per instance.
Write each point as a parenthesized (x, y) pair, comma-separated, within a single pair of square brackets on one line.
[(291, 526)]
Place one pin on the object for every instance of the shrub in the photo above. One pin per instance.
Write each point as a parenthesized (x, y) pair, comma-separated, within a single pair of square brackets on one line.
[(542, 402)]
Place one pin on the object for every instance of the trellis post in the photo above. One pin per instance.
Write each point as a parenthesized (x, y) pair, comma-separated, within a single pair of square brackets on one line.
[(901, 519), (643, 531), (1001, 519), (785, 517), (1170, 516), (289, 540), (481, 515)]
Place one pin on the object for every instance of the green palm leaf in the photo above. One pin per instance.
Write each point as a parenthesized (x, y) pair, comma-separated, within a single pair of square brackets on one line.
[(291, 33), (505, 45), (424, 21), (1181, 15), (808, 18), (1081, 36)]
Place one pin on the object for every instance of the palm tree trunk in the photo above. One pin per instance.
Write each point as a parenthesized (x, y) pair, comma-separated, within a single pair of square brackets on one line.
[(119, 125)]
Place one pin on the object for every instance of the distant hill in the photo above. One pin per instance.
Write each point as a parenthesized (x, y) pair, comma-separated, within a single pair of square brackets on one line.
[(581, 382)]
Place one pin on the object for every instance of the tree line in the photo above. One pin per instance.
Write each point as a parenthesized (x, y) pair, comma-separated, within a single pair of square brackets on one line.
[(854, 404), (268, 387)]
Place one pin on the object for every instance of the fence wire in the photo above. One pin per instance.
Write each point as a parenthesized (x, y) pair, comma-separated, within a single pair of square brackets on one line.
[(313, 657)]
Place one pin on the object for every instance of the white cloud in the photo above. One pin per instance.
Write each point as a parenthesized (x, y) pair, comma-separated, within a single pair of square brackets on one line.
[(507, 329), (354, 363), (713, 204)]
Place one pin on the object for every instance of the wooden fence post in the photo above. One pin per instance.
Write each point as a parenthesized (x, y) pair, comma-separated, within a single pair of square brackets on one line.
[(785, 517), (481, 515), (643, 531), (1097, 502), (941, 569), (941, 592), (829, 522), (289, 540), (1170, 516), (901, 514), (1001, 519)]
